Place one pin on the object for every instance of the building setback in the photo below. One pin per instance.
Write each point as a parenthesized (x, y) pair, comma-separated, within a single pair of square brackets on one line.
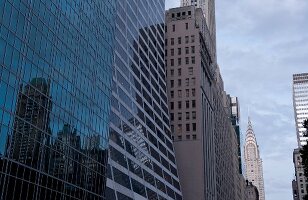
[(142, 162), (55, 88), (205, 141), (253, 161)]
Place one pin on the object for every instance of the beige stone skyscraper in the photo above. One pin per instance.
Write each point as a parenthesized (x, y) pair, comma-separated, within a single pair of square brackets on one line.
[(205, 141), (208, 8), (253, 161)]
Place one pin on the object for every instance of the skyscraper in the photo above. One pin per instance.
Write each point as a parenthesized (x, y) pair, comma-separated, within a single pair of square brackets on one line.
[(205, 141), (55, 82), (253, 161), (142, 162), (208, 8), (300, 103)]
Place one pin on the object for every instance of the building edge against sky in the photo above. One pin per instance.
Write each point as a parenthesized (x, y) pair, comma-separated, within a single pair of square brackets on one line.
[(200, 110), (55, 82)]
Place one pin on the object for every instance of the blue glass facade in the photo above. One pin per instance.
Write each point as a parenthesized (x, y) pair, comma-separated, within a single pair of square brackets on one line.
[(56, 59), (142, 162)]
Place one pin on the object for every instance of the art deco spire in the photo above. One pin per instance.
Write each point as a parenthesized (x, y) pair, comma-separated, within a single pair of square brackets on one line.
[(253, 162)]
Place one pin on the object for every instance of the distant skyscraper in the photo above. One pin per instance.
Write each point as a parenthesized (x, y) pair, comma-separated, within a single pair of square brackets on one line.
[(142, 162), (56, 61), (253, 161), (300, 103)]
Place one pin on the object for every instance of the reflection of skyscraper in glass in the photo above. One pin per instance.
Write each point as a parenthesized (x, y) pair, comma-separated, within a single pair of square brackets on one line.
[(27, 143), (56, 62), (142, 160)]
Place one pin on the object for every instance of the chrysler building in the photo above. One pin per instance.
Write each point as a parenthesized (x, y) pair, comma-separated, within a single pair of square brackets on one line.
[(253, 162)]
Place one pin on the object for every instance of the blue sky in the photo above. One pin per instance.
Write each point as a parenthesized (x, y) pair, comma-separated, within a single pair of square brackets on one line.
[(260, 45)]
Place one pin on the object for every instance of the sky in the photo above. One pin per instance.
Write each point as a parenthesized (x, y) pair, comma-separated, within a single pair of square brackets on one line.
[(261, 44)]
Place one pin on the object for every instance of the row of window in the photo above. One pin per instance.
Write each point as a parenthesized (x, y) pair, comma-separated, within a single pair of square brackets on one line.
[(187, 39), (188, 127), (179, 104), (188, 60), (188, 81), (188, 115), (179, 51)]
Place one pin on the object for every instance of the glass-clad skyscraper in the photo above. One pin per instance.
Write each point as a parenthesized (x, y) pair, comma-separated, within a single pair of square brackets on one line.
[(142, 161), (300, 104), (56, 59)]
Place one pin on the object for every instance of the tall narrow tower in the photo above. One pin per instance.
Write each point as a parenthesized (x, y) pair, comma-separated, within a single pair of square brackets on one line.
[(253, 162)]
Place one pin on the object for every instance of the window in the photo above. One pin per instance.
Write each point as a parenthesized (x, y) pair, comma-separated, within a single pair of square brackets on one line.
[(187, 127), (187, 104), (193, 114), (193, 92), (172, 62), (180, 93), (193, 103), (186, 60), (166, 52), (179, 72), (173, 27), (179, 105), (186, 26), (193, 60), (179, 128), (179, 40), (179, 82), (192, 39), (194, 126), (172, 128), (194, 136), (179, 61), (186, 50), (189, 12), (166, 42), (172, 72), (186, 39), (193, 81), (172, 52), (187, 82), (180, 137), (172, 94), (172, 41), (193, 49), (171, 83), (190, 71), (188, 137), (179, 116), (171, 105), (179, 51), (171, 116), (187, 115), (187, 92)]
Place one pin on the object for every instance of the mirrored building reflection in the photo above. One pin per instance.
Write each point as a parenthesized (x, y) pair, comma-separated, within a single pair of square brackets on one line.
[(142, 161), (56, 61)]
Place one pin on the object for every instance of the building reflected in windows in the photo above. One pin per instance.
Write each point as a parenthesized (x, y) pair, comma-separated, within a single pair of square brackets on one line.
[(27, 144)]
